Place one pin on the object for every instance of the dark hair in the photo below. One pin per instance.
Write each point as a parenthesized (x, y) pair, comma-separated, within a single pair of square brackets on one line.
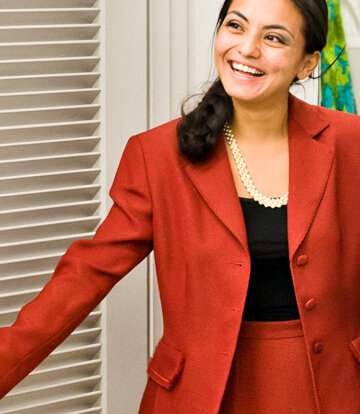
[(198, 130)]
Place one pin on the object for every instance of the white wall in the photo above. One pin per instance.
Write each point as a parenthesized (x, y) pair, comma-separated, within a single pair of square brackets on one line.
[(125, 115)]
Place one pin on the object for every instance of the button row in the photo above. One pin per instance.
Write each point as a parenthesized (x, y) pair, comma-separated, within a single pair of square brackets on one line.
[(303, 260)]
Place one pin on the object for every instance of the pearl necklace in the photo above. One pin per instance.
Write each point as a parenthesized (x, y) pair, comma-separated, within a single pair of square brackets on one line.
[(245, 176)]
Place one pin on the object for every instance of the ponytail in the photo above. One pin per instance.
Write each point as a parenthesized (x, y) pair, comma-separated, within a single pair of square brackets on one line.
[(198, 131)]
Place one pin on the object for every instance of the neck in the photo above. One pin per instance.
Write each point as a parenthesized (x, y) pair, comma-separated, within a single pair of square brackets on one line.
[(260, 122)]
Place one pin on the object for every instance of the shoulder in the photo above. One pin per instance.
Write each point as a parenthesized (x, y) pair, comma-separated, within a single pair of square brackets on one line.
[(343, 132), (339, 128), (346, 121), (315, 117), (344, 128)]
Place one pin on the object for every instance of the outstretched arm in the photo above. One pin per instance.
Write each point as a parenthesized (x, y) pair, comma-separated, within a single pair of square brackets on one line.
[(84, 275)]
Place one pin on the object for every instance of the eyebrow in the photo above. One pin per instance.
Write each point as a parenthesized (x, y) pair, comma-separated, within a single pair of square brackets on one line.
[(271, 26)]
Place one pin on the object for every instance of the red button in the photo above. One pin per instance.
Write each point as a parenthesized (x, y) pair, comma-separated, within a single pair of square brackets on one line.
[(318, 347), (310, 304), (302, 260)]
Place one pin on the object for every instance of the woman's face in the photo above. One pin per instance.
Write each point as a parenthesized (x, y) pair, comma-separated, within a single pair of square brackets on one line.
[(259, 49)]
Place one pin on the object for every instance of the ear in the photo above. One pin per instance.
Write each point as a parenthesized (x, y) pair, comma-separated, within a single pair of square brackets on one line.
[(308, 65)]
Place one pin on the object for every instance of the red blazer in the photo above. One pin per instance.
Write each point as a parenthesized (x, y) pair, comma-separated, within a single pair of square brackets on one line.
[(192, 218)]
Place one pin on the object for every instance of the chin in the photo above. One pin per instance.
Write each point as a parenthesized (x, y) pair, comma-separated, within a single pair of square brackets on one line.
[(242, 93), (245, 97), (251, 96)]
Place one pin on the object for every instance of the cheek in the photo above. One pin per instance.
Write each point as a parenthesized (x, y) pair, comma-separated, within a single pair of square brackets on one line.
[(218, 57), (283, 63), (223, 43), (278, 62), (219, 49)]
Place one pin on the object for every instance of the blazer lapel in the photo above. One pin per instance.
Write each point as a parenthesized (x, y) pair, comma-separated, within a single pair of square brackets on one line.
[(309, 166), (213, 179), (310, 163)]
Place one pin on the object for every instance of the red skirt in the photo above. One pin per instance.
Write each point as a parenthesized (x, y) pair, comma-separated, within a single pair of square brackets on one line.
[(270, 372)]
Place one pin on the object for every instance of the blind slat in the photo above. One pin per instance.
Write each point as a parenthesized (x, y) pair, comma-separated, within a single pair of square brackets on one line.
[(26, 4), (71, 383), (33, 99), (71, 222), (23, 67), (14, 17), (51, 114), (56, 405), (47, 214), (39, 231), (39, 132), (88, 411), (48, 49), (31, 144), (75, 194), (94, 363), (8, 316), (44, 164), (21, 34), (26, 275), (91, 172), (53, 81), (45, 148), (56, 240), (8, 285), (44, 158), (17, 185)]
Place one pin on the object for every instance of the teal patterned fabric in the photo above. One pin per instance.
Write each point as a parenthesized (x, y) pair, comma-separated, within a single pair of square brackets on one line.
[(336, 86)]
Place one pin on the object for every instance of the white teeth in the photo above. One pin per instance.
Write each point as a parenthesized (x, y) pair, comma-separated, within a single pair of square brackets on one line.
[(239, 66)]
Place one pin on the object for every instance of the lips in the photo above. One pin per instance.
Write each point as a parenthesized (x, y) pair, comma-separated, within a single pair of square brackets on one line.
[(245, 69)]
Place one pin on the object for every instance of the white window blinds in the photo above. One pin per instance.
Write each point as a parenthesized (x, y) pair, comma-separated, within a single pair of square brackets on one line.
[(49, 182)]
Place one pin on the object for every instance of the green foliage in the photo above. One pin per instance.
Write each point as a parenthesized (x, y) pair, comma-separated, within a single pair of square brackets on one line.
[(336, 86)]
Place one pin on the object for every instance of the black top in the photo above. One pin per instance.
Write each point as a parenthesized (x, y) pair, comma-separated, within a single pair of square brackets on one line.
[(271, 295)]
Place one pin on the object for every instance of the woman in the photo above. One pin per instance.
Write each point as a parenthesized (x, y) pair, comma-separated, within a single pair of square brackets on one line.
[(260, 305)]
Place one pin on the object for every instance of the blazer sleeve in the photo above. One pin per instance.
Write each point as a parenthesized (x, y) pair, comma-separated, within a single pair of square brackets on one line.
[(84, 275)]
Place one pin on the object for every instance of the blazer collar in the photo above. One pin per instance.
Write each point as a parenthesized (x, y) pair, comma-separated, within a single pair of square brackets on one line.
[(310, 162)]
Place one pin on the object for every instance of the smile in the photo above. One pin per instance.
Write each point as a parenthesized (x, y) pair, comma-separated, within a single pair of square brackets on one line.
[(238, 67)]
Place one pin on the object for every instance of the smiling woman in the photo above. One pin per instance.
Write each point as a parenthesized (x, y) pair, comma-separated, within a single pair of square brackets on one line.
[(266, 38), (271, 43), (249, 204), (285, 39)]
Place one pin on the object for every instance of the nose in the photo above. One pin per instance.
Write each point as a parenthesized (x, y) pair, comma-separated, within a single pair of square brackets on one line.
[(249, 46)]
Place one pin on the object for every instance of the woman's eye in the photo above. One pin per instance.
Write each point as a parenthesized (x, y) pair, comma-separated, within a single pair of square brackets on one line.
[(275, 39), (234, 25)]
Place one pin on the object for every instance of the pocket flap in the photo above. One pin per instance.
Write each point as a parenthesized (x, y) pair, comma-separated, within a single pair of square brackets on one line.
[(355, 347), (165, 365)]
